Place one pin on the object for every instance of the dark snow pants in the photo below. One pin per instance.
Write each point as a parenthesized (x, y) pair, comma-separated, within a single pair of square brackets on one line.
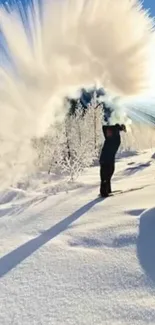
[(106, 172)]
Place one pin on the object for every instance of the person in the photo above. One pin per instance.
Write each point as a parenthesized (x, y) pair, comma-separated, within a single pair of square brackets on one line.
[(107, 157)]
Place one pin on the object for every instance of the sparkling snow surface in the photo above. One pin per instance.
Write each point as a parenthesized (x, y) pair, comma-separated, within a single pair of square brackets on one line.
[(74, 259)]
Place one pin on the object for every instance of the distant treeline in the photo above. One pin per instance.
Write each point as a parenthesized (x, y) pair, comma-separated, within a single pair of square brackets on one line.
[(85, 99)]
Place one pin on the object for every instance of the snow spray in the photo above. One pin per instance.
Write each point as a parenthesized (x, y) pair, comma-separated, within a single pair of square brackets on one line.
[(50, 50)]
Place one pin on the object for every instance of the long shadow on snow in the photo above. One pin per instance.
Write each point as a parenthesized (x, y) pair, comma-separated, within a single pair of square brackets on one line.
[(12, 259), (146, 243)]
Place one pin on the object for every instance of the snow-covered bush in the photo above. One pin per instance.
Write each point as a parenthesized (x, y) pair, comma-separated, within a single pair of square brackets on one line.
[(73, 145)]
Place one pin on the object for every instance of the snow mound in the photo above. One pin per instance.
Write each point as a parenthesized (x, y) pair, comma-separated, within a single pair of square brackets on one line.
[(146, 242)]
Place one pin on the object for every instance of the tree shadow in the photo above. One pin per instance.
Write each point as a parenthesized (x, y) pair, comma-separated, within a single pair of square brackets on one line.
[(16, 208), (12, 259), (135, 213), (137, 168), (122, 241), (125, 240), (126, 154), (86, 242), (146, 242)]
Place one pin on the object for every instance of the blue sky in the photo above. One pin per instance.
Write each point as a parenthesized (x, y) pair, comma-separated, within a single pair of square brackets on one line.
[(149, 4)]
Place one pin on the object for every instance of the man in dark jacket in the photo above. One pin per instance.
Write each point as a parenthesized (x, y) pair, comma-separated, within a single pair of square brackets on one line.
[(107, 158)]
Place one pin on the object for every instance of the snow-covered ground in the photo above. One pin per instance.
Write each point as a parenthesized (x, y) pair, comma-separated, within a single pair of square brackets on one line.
[(72, 258)]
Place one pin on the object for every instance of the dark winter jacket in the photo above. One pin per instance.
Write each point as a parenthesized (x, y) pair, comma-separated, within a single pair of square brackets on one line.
[(112, 142)]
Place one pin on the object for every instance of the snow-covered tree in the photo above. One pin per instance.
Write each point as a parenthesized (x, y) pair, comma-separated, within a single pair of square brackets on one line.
[(71, 146)]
